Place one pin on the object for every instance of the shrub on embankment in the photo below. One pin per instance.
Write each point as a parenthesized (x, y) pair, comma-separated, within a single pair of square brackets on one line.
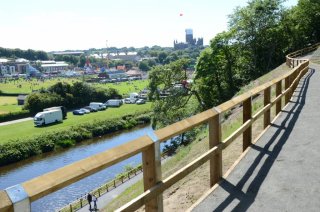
[(14, 115), (20, 149)]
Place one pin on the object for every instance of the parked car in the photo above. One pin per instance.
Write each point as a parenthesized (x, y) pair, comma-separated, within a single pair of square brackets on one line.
[(91, 109), (127, 101), (85, 111), (97, 105), (77, 112), (140, 101)]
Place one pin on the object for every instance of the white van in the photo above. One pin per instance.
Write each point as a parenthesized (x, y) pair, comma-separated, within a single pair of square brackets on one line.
[(97, 105), (114, 103), (48, 117), (133, 97)]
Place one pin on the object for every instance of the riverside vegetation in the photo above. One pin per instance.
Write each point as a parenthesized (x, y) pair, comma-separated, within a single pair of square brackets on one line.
[(22, 148)]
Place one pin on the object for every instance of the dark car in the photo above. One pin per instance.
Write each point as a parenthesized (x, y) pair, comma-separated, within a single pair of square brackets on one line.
[(91, 109), (77, 112)]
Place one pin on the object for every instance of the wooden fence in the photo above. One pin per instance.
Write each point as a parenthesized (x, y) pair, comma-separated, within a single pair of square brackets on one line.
[(292, 60), (19, 197)]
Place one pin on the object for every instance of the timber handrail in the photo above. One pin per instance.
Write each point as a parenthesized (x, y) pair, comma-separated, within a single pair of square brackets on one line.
[(291, 59), (149, 146), (164, 184)]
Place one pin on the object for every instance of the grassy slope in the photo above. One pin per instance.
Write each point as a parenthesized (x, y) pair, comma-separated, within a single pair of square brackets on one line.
[(33, 84), (9, 104), (27, 86), (172, 198), (27, 128), (125, 88)]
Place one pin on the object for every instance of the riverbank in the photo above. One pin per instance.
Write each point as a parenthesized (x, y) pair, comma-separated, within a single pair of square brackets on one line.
[(70, 132), (38, 165)]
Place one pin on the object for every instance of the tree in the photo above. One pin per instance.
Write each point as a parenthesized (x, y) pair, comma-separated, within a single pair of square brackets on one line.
[(307, 20), (162, 57), (171, 94), (143, 66), (215, 75), (256, 30)]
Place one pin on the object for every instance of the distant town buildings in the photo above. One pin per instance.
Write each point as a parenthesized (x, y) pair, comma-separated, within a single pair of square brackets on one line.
[(190, 41), (53, 66), (14, 67), (69, 53), (128, 56)]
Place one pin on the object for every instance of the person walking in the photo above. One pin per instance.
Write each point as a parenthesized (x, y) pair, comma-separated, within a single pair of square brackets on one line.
[(89, 198), (94, 199)]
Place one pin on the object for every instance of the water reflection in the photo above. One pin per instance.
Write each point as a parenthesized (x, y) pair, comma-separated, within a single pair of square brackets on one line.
[(30, 168)]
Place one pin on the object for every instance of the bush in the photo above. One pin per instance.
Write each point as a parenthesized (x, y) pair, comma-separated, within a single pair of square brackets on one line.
[(14, 115), (64, 94), (20, 149), (66, 143)]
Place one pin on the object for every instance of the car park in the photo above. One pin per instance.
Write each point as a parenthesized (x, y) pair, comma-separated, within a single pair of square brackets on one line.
[(78, 112)]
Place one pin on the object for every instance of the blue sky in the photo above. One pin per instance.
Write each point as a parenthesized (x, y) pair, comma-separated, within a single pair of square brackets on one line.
[(77, 24)]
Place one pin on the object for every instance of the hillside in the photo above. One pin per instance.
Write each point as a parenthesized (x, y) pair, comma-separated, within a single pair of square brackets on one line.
[(183, 194)]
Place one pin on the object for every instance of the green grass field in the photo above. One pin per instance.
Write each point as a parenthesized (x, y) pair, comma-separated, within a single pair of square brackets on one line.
[(23, 86), (125, 88), (9, 104), (27, 128)]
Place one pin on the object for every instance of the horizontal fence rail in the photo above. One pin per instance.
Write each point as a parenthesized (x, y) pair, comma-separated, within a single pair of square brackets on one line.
[(292, 60), (19, 197)]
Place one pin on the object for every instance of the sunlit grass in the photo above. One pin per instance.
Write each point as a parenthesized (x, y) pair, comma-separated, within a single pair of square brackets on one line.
[(27, 128)]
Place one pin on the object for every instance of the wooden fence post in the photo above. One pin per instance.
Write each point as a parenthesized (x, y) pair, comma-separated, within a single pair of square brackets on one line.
[(150, 168), (214, 140), (266, 116), (247, 114), (278, 92), (286, 86)]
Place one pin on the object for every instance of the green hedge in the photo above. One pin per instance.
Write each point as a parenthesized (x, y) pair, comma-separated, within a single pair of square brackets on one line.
[(20, 149), (14, 115)]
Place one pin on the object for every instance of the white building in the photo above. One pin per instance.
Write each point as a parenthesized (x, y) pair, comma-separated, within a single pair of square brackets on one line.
[(52, 66)]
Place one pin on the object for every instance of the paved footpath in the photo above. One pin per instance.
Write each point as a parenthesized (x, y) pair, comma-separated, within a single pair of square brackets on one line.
[(109, 196), (15, 121), (281, 172)]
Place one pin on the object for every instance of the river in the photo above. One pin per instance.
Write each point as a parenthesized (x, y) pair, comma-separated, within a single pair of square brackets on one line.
[(25, 170)]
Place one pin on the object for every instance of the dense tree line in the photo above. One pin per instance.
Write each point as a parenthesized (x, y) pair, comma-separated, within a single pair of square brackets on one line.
[(71, 96), (259, 36), (26, 54)]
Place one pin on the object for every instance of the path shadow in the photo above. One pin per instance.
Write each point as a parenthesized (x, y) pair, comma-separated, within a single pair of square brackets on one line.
[(245, 199)]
